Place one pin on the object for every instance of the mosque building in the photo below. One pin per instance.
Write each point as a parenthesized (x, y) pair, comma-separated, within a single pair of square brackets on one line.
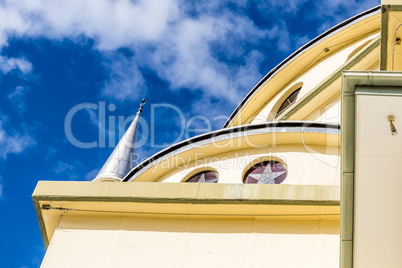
[(306, 172)]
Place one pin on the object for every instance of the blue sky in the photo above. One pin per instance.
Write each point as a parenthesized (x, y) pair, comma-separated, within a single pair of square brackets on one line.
[(199, 56)]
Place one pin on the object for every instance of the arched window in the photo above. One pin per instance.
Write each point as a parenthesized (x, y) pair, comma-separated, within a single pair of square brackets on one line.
[(208, 176), (267, 172), (289, 101)]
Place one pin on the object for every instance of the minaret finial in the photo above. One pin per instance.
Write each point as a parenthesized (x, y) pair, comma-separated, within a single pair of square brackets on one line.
[(120, 160), (142, 104)]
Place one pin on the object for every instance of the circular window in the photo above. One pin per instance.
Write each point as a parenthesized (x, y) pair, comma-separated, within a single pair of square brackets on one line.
[(205, 176), (267, 172)]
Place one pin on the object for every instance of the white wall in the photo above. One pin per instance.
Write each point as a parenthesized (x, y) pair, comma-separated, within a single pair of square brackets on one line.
[(307, 165), (193, 242), (313, 77), (378, 214)]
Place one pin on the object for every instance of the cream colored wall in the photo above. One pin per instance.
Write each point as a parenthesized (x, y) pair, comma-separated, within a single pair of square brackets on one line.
[(391, 2), (330, 113), (307, 165), (394, 51), (378, 217), (311, 79), (54, 199), (193, 242)]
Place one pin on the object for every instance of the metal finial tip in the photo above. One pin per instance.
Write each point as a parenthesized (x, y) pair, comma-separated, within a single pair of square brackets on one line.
[(142, 104)]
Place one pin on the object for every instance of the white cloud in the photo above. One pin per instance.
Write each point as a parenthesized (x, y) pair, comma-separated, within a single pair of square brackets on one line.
[(17, 97), (160, 33), (126, 80), (197, 45), (11, 142), (92, 174), (336, 11), (112, 23), (93, 117), (287, 6), (62, 166), (323, 7), (69, 171), (73, 170), (301, 41), (10, 64), (187, 57)]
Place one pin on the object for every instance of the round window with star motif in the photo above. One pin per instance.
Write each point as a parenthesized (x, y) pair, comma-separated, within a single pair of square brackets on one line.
[(205, 177), (267, 172)]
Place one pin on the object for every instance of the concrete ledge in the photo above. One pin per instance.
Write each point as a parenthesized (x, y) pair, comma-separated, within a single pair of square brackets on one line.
[(186, 193), (54, 199)]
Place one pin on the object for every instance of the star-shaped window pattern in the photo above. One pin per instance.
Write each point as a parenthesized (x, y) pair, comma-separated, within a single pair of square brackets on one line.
[(205, 177), (267, 172)]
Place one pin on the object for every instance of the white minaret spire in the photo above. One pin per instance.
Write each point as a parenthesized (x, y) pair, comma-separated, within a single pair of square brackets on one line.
[(119, 162)]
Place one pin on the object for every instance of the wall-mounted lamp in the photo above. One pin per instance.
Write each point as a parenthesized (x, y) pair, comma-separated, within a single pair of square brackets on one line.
[(391, 120)]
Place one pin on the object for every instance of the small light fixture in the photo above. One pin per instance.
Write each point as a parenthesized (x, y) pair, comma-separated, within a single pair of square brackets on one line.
[(398, 41), (46, 207), (391, 120)]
